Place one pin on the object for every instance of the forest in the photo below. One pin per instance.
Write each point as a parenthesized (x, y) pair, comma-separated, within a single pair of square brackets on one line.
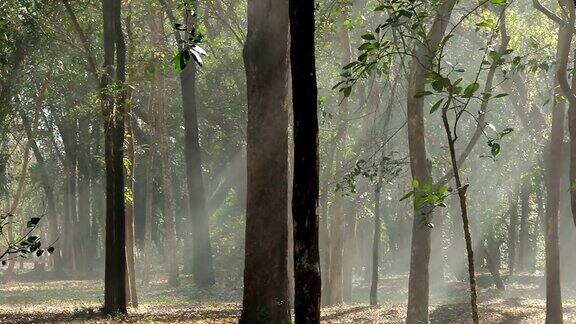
[(287, 161)]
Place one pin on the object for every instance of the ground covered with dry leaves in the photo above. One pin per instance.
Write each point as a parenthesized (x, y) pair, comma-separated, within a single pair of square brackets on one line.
[(57, 301)]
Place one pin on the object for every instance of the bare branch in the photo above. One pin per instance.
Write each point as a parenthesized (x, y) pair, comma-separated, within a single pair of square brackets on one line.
[(551, 15)]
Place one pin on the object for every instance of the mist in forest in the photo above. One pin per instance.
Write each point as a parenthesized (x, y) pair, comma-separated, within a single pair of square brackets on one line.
[(279, 161)]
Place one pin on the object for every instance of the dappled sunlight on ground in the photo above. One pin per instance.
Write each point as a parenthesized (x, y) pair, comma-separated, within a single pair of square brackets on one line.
[(79, 301)]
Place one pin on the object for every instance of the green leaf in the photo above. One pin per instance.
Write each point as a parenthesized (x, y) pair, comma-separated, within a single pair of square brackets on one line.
[(487, 23), (406, 196), (442, 190), (495, 149), (427, 187), (471, 89), (438, 85), (421, 94), (367, 47), (436, 106), (500, 95), (347, 91), (179, 61), (33, 222), (368, 36), (498, 2), (415, 183)]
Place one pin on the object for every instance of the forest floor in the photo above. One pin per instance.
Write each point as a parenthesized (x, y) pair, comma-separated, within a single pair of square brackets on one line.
[(32, 301)]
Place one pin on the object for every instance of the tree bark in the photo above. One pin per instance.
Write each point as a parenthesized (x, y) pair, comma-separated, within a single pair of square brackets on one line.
[(512, 232), (115, 299), (524, 244), (266, 297), (461, 189), (376, 242), (418, 285), (305, 191), (149, 208), (201, 261)]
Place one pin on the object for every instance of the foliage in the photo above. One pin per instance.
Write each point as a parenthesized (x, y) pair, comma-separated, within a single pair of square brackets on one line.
[(22, 246)]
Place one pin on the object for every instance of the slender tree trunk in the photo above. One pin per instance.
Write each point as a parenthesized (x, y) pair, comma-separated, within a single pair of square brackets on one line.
[(553, 290), (130, 167), (307, 280), (464, 208), (524, 223), (492, 262), (149, 208), (83, 228), (376, 243), (512, 232), (336, 247), (167, 186), (115, 299), (266, 298), (130, 241), (201, 261), (418, 284), (348, 251)]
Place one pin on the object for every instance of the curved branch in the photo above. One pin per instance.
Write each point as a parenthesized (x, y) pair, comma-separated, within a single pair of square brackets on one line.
[(551, 15)]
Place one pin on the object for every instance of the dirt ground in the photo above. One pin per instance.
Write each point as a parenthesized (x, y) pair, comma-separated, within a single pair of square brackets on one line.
[(31, 301)]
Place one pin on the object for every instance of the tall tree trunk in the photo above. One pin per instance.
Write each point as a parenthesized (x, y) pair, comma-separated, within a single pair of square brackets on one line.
[(461, 189), (376, 242), (539, 223), (149, 208), (492, 256), (524, 244), (83, 228), (418, 285), (200, 263), (553, 179), (336, 245), (130, 241), (131, 158), (115, 299), (348, 251), (167, 186), (337, 226), (512, 232), (553, 290), (266, 242), (97, 190), (307, 280)]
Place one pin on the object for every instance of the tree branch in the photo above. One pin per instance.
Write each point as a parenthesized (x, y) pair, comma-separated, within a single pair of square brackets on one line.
[(551, 15)]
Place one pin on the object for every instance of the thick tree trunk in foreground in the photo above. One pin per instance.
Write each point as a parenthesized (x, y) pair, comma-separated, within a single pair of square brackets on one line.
[(115, 299), (418, 285), (266, 297), (305, 185)]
